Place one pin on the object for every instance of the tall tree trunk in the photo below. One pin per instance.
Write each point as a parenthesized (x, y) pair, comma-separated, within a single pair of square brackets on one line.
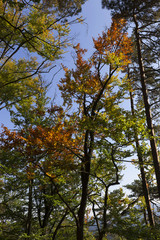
[(103, 231), (30, 206), (81, 212), (47, 209), (143, 177), (85, 173), (104, 227), (147, 106), (59, 225), (82, 208)]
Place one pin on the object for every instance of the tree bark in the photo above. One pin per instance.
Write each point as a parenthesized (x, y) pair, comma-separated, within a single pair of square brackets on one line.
[(147, 106), (85, 172), (143, 177), (103, 231), (81, 212), (30, 206), (59, 225)]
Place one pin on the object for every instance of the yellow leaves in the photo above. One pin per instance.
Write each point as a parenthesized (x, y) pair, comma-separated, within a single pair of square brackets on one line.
[(37, 21), (57, 142), (79, 81), (48, 31), (114, 45), (30, 171), (51, 150), (51, 175), (112, 52), (1, 6), (35, 29), (80, 19), (10, 138)]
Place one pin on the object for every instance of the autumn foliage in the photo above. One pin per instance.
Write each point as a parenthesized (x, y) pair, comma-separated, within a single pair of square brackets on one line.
[(58, 143), (113, 48), (114, 45), (68, 158)]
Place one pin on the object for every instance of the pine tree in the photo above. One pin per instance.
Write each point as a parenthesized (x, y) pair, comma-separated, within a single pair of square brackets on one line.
[(142, 14)]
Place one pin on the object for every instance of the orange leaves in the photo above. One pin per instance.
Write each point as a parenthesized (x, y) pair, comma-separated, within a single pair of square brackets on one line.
[(115, 43), (10, 137), (30, 171), (79, 81), (46, 148), (79, 51), (39, 140), (112, 49)]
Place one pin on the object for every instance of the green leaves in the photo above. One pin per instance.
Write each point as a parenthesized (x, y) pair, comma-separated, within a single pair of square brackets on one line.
[(59, 166), (37, 35)]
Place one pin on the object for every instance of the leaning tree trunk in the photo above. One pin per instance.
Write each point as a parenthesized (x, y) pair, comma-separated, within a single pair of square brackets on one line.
[(147, 106), (141, 165)]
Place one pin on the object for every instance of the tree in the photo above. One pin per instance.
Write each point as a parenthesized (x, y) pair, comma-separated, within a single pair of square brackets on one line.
[(105, 173), (41, 156), (69, 141), (141, 162), (63, 161), (142, 14), (67, 8), (40, 35), (41, 31), (89, 90)]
